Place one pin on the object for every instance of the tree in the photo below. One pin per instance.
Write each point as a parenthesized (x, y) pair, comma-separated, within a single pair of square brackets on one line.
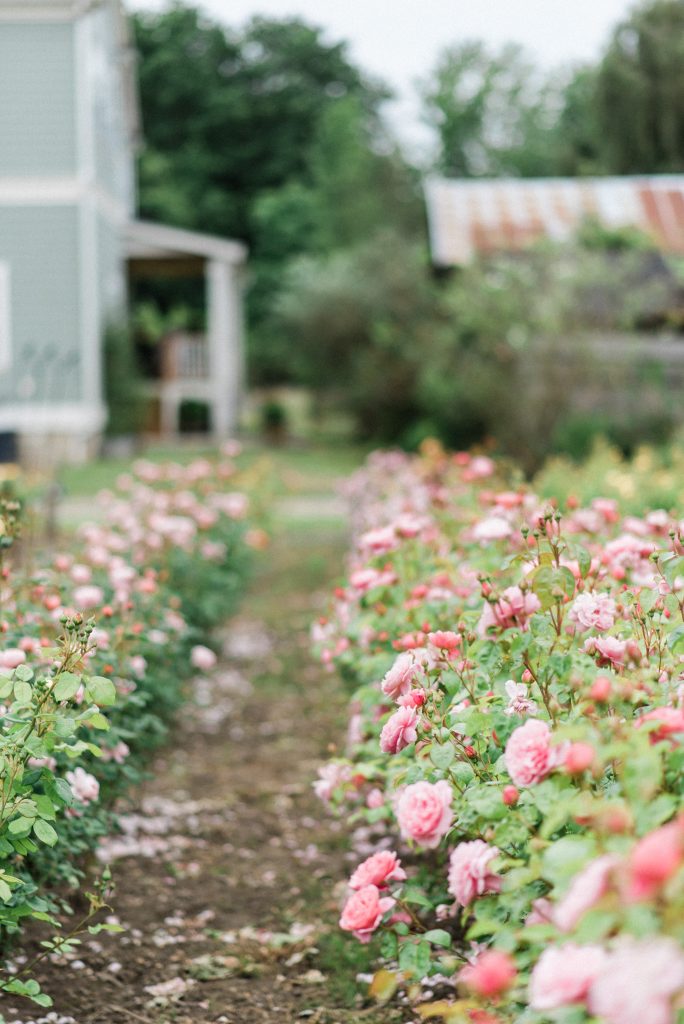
[(229, 115), (493, 113), (640, 92)]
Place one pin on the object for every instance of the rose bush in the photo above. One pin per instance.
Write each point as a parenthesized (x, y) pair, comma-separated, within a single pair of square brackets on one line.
[(517, 740), (98, 643)]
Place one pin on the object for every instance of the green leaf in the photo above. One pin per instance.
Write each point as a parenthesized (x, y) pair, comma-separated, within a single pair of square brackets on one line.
[(22, 692), (552, 584), (66, 687), (98, 721), (410, 894), (24, 672), (64, 791), (45, 832), (20, 826), (438, 937), (6, 686), (442, 754), (101, 691), (5, 892)]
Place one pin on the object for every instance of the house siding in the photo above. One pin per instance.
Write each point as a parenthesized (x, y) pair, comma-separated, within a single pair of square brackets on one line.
[(41, 246), (37, 115)]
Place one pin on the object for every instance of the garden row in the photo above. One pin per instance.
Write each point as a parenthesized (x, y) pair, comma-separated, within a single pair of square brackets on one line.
[(98, 643), (516, 745)]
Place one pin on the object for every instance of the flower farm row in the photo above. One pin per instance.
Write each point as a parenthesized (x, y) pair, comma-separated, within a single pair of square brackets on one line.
[(97, 644), (516, 744)]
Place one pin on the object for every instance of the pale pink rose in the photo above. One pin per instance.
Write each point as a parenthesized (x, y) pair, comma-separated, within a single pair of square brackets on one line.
[(593, 611), (492, 528), (118, 753), (87, 597), (331, 776), (375, 798), (424, 812), (518, 701), (513, 608), (445, 640), (378, 869), (541, 912), (412, 699), (586, 889), (81, 574), (563, 974), (202, 658), (379, 541), (84, 786), (529, 756), (640, 982), (399, 731), (610, 650), (364, 911), (469, 873), (11, 657), (480, 467), (490, 974), (399, 679), (138, 665)]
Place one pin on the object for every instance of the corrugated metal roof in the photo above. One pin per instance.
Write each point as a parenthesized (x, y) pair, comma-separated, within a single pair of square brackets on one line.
[(489, 215)]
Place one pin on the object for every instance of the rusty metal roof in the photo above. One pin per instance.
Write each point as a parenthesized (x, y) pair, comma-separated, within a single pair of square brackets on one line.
[(488, 215)]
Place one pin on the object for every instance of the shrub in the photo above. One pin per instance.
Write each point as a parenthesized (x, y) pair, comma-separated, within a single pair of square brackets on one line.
[(516, 745), (98, 643)]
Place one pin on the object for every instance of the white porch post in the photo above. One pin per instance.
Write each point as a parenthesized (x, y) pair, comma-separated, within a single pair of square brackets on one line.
[(224, 335)]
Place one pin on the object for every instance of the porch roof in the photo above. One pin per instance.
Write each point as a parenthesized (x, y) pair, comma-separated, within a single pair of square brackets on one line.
[(145, 240)]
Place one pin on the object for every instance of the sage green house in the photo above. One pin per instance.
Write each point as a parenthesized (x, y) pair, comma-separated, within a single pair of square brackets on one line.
[(68, 132)]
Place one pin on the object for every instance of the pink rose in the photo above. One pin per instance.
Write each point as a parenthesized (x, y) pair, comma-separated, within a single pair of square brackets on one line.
[(87, 597), (377, 870), (11, 657), (513, 608), (398, 680), (424, 812), (490, 974), (363, 912), (469, 872), (593, 611), (638, 982), (529, 757), (84, 786), (202, 658), (586, 889), (399, 731), (609, 650), (563, 974), (670, 722), (655, 859)]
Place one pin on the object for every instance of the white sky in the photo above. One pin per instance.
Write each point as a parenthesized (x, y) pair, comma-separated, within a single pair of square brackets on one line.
[(399, 40)]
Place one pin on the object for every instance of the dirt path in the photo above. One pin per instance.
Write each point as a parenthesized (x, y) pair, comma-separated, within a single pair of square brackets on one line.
[(227, 870)]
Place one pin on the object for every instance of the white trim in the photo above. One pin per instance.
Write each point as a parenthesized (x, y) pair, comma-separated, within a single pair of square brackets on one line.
[(39, 191), (45, 10), (5, 317), (53, 418), (61, 192)]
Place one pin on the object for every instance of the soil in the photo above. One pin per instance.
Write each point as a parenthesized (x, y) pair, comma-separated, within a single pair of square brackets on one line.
[(228, 872)]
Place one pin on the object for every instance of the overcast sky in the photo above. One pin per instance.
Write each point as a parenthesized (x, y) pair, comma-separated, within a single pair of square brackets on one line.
[(399, 40)]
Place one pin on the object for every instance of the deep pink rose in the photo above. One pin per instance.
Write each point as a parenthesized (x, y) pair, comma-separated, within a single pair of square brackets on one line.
[(469, 872), (655, 859), (424, 812), (529, 757), (377, 870), (490, 974), (364, 911), (399, 731), (563, 974)]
